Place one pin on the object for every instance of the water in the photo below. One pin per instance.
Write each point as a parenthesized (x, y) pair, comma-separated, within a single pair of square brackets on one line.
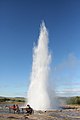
[(40, 96)]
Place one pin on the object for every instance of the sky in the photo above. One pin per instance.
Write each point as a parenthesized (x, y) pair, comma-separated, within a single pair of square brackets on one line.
[(19, 29)]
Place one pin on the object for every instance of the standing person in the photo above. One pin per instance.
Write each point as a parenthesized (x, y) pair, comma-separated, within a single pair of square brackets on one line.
[(17, 109), (14, 108)]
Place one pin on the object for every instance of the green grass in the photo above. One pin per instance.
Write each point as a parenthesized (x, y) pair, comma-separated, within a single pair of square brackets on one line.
[(15, 99)]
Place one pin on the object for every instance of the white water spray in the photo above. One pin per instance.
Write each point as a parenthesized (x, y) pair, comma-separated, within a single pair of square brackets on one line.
[(39, 94)]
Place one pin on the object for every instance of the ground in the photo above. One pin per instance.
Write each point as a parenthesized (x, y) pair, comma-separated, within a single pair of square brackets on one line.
[(67, 114)]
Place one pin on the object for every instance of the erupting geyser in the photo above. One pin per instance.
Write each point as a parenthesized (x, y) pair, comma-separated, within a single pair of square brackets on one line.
[(39, 93)]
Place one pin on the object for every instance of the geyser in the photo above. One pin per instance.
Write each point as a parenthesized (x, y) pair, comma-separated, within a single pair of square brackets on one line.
[(40, 96)]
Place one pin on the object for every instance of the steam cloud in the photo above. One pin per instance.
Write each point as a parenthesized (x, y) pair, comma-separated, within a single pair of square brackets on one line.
[(40, 96)]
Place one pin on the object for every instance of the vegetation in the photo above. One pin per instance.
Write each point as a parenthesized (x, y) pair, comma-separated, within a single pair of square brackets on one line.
[(16, 99), (73, 100), (70, 100)]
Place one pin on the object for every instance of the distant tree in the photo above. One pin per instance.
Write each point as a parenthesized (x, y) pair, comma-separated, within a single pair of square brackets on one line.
[(73, 100), (77, 100), (4, 99)]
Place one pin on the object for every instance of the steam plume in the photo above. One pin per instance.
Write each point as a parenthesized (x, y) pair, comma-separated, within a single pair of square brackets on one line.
[(39, 93)]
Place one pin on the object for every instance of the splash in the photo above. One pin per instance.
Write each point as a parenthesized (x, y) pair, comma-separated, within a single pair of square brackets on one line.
[(39, 93)]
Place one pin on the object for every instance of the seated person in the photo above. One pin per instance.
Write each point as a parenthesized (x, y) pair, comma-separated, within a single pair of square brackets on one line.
[(29, 109)]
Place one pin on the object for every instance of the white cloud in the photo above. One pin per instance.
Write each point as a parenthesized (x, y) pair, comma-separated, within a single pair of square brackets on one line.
[(68, 92), (71, 63), (67, 74)]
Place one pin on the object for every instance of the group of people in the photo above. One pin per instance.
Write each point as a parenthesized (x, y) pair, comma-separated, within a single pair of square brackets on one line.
[(16, 109)]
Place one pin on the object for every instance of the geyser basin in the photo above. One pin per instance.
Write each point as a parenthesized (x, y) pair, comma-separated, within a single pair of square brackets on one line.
[(40, 96)]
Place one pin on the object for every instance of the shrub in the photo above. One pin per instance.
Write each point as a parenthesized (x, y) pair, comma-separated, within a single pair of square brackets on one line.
[(74, 100)]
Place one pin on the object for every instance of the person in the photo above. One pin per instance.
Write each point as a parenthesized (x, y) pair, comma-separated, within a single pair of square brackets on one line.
[(14, 108), (17, 109), (28, 106), (29, 109)]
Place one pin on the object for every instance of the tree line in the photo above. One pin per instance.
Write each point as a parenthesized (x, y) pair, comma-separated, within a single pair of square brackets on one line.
[(73, 100), (4, 99)]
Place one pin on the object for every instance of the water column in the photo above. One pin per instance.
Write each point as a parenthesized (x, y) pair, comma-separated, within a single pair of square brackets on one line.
[(39, 92)]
